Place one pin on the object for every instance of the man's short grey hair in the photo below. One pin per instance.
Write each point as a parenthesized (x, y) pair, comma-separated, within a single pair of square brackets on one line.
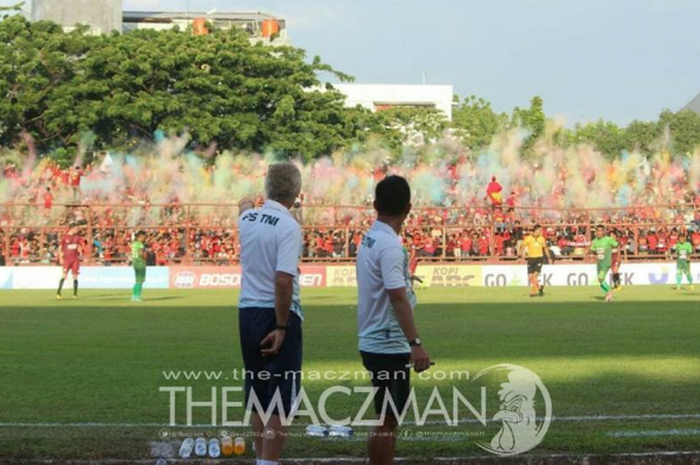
[(283, 182)]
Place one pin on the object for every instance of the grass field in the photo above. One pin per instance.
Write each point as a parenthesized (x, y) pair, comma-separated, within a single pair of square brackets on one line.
[(81, 379)]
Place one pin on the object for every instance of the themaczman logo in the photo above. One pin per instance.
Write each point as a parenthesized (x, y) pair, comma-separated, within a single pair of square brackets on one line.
[(506, 406), (185, 279), (524, 413)]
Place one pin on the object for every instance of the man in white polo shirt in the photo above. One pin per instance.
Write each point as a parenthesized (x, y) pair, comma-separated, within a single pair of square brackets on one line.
[(389, 341), (270, 312)]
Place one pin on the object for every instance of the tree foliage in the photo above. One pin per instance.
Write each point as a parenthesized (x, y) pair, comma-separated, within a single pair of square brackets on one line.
[(642, 136), (684, 129), (408, 125), (476, 123), (221, 89), (217, 88), (606, 136), (533, 119)]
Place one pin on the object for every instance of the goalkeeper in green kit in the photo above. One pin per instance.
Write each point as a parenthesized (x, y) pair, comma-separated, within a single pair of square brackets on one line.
[(683, 251), (602, 246), (138, 261)]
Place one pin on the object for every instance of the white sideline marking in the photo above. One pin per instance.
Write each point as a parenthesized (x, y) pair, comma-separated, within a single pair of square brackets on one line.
[(654, 433), (589, 418)]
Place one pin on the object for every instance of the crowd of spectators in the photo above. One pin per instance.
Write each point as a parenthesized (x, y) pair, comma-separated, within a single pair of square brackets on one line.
[(491, 227), (431, 234)]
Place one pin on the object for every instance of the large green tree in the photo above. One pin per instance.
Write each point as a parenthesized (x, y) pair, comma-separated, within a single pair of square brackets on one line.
[(684, 129), (216, 87), (38, 64), (642, 136), (606, 136), (476, 123), (402, 125), (533, 119)]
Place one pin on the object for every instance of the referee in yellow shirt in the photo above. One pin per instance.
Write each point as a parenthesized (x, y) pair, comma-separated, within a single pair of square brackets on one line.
[(535, 249)]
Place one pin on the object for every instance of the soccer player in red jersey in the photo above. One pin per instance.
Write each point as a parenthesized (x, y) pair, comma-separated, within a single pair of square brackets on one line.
[(69, 258)]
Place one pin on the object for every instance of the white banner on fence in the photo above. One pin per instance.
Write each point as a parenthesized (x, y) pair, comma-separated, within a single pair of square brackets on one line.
[(446, 275), (552, 275), (36, 277)]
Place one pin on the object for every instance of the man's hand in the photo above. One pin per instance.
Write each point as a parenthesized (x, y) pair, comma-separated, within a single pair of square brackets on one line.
[(244, 205), (419, 359), (272, 343)]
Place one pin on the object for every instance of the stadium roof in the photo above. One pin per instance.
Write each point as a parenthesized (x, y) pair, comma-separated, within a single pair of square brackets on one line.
[(693, 105)]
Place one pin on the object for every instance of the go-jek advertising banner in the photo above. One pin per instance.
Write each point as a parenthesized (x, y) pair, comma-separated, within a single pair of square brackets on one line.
[(631, 274), (551, 275)]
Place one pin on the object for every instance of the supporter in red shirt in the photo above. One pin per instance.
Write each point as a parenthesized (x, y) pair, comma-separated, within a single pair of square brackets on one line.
[(661, 242), (493, 192), (483, 244), (511, 201), (500, 241), (696, 240), (673, 239), (465, 243), (429, 247), (48, 199), (450, 247), (652, 240)]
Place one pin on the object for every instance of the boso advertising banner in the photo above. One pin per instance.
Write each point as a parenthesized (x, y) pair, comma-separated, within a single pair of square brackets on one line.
[(450, 275), (218, 277)]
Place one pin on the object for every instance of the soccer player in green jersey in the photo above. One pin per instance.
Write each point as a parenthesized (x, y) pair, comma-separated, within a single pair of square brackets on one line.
[(138, 261), (683, 251), (602, 246)]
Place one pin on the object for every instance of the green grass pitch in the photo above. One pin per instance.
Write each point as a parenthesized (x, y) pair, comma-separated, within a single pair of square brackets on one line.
[(81, 379)]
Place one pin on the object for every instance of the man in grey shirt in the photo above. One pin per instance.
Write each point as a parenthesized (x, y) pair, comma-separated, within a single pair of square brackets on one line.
[(388, 338)]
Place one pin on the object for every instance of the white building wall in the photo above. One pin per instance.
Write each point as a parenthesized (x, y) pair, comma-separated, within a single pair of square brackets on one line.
[(103, 16), (372, 96)]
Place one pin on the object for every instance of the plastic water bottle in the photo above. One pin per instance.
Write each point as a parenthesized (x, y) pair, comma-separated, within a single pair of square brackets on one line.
[(200, 447), (186, 448), (239, 446), (317, 431), (227, 446), (214, 448), (337, 431)]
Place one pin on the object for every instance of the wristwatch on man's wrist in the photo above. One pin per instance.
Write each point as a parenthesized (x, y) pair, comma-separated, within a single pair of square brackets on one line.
[(415, 343), (281, 327)]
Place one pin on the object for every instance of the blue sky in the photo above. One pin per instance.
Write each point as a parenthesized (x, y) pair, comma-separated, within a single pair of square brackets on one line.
[(615, 59)]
